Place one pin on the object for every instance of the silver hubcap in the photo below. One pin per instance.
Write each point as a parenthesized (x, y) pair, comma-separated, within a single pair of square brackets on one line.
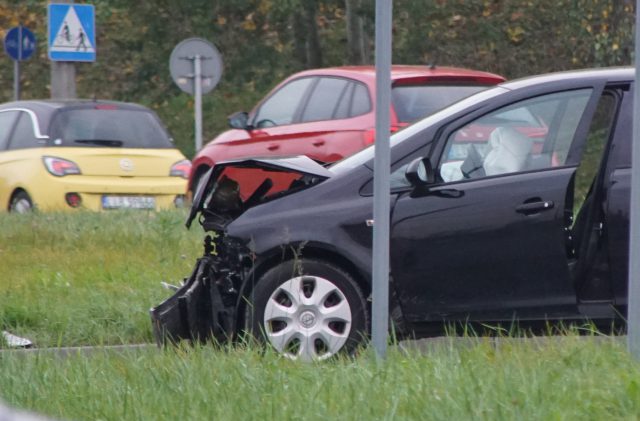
[(21, 206), (307, 318)]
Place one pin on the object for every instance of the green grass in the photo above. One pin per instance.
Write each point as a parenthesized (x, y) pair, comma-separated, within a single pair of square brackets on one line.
[(575, 378), (90, 278)]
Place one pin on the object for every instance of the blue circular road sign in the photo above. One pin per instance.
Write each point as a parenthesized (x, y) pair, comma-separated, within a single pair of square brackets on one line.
[(19, 43)]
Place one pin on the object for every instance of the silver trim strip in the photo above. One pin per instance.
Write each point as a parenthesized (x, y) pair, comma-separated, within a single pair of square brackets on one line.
[(34, 121)]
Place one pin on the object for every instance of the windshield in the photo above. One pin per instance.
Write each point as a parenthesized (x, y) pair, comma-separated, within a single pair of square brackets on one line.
[(127, 128), (367, 154), (413, 102)]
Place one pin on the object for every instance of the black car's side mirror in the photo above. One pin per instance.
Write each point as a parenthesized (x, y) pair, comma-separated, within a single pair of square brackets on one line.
[(420, 172), (239, 120)]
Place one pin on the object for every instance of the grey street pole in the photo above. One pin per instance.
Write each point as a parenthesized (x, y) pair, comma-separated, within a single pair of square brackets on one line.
[(633, 309), (197, 73), (196, 67), (381, 184), (16, 67), (63, 75), (16, 80), (63, 80)]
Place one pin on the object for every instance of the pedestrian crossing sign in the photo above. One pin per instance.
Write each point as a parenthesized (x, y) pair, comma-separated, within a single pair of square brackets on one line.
[(72, 32)]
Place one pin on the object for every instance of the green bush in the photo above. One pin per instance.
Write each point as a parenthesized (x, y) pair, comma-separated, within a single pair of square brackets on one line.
[(261, 45)]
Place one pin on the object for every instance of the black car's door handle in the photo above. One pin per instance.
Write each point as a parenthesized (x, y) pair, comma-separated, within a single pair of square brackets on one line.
[(534, 207)]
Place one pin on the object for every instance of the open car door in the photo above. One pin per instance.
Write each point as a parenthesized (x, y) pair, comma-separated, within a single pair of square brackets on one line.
[(494, 239)]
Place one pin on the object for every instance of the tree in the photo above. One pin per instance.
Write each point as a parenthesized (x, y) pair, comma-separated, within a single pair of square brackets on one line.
[(357, 38)]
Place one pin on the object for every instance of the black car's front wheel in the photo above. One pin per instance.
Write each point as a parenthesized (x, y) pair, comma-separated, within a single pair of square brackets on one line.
[(308, 310)]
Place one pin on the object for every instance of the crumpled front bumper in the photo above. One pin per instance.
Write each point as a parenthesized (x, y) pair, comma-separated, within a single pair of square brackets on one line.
[(196, 312)]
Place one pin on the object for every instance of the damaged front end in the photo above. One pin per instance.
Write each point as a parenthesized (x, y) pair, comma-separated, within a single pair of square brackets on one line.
[(204, 308)]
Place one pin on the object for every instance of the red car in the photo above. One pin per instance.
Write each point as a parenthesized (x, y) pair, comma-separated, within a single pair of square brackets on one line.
[(328, 114)]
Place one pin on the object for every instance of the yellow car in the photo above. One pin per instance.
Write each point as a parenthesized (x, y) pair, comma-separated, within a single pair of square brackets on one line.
[(83, 154)]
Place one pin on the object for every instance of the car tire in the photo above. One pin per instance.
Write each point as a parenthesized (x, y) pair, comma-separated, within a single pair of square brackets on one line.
[(307, 310), (21, 203)]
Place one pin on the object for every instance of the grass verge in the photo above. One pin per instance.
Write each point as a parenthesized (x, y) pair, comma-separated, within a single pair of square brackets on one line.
[(89, 278), (569, 378)]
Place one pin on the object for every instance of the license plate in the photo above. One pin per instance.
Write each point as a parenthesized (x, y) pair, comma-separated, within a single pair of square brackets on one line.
[(128, 202)]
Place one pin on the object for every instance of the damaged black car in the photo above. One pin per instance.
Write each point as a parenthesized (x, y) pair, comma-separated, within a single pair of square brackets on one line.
[(511, 205)]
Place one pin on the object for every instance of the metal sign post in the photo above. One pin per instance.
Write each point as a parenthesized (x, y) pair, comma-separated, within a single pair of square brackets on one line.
[(16, 80), (381, 183), (16, 68), (633, 304), (196, 67), (19, 43), (197, 71)]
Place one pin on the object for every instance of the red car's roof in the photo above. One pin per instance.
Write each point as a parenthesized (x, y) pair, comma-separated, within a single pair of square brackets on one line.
[(407, 73)]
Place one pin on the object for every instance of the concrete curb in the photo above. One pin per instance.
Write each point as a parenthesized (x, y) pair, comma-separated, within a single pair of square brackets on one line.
[(76, 350), (422, 346), (429, 345)]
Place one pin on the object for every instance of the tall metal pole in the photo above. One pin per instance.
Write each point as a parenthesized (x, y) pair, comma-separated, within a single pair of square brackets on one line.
[(381, 184), (197, 65), (16, 80), (16, 67), (633, 312), (63, 74)]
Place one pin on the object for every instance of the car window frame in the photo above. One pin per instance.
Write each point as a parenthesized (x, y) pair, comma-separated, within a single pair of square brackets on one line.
[(34, 121), (435, 147), (4, 146), (353, 94), (623, 139), (345, 100), (39, 139), (296, 112), (310, 94), (573, 156)]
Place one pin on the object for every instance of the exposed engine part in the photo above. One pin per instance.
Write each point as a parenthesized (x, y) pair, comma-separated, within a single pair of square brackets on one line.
[(203, 307)]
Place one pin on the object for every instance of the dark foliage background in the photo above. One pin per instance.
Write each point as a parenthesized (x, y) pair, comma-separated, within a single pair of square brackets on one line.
[(262, 41)]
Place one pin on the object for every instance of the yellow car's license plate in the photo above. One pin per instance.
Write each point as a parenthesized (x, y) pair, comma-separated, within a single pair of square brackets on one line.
[(128, 202)]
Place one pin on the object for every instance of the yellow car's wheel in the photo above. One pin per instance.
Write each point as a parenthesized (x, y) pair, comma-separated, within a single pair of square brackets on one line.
[(21, 203)]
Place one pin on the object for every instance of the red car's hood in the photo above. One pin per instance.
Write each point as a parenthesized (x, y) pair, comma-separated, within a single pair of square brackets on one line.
[(219, 201)]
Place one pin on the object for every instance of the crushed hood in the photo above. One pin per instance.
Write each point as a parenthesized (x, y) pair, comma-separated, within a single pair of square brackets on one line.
[(232, 187)]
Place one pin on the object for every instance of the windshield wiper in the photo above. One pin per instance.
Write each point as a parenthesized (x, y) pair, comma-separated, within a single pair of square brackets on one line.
[(100, 142)]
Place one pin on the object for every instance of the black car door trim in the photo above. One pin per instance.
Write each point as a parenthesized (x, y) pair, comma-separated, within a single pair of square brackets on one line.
[(535, 207)]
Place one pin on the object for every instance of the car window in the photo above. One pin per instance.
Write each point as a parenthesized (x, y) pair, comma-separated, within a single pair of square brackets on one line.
[(116, 127), (520, 114), (366, 155), (7, 118), (413, 102), (532, 134), (23, 136), (594, 147), (280, 108), (342, 110), (361, 102), (324, 99)]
